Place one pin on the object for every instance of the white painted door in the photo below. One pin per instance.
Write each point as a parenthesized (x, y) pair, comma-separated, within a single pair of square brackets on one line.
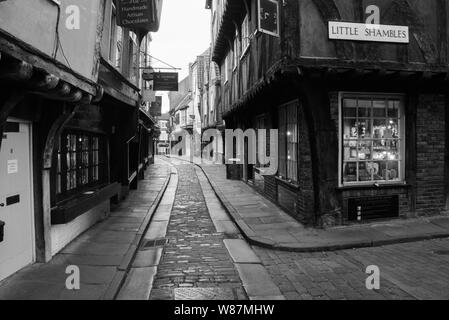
[(17, 247)]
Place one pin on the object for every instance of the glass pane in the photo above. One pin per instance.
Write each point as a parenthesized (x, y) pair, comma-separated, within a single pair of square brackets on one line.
[(95, 173), (85, 177), (379, 109), (364, 129), (58, 184), (392, 129), (85, 143), (95, 143), (96, 158), (73, 161), (379, 128), (365, 150), (364, 103), (350, 150), (365, 172), (350, 108), (380, 150), (393, 171), (379, 171), (393, 109), (86, 159), (350, 130), (350, 172)]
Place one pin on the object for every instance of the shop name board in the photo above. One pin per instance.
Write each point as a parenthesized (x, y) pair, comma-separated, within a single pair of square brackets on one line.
[(156, 107), (135, 14), (368, 32), (165, 81)]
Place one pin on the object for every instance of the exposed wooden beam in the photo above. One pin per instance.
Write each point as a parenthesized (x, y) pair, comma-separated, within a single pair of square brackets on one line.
[(5, 110), (16, 70)]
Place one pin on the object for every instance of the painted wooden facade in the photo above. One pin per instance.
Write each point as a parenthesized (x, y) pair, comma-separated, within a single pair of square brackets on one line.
[(79, 91)]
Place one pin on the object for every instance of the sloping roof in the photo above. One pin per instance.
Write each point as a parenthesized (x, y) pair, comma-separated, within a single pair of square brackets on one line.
[(184, 103), (165, 116)]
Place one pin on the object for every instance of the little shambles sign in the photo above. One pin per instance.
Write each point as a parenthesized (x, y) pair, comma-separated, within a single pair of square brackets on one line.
[(368, 32), (135, 14)]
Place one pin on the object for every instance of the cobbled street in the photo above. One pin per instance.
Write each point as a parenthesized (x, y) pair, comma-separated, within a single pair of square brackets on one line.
[(195, 258), (195, 255)]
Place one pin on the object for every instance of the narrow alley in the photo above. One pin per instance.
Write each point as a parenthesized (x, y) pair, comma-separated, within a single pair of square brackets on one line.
[(201, 255)]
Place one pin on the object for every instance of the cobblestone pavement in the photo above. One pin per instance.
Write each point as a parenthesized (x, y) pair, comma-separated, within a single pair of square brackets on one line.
[(195, 256), (417, 270)]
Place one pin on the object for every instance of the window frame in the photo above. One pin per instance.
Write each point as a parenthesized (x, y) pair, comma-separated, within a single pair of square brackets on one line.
[(246, 36), (402, 138), (61, 170), (295, 104)]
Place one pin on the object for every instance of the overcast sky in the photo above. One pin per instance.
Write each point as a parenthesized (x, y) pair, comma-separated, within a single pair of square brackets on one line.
[(184, 34)]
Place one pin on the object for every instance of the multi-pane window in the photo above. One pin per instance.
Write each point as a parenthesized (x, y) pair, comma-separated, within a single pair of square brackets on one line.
[(236, 50), (245, 34), (115, 40), (371, 128), (81, 162), (288, 142)]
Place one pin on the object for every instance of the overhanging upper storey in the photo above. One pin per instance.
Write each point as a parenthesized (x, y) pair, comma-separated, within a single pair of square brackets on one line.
[(229, 15)]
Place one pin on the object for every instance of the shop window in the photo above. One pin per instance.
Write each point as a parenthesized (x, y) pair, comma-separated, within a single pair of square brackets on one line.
[(81, 163), (288, 142), (372, 148)]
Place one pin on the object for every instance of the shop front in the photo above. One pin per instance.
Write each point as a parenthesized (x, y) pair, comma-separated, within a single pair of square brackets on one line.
[(359, 100)]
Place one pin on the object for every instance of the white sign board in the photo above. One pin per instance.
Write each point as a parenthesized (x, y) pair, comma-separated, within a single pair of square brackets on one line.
[(368, 32), (13, 166)]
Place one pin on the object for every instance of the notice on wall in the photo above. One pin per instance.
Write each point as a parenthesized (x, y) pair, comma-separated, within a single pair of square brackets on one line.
[(368, 32), (13, 166)]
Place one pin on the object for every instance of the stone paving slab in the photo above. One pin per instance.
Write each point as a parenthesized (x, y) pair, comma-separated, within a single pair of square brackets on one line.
[(138, 284), (240, 251), (265, 224), (103, 253), (257, 282)]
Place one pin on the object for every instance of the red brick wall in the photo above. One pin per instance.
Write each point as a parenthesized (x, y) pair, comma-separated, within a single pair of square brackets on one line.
[(430, 130)]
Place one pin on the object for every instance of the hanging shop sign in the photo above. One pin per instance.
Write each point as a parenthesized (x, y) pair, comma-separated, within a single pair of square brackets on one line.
[(135, 14), (368, 32), (156, 107), (165, 81), (148, 95), (148, 75), (268, 21)]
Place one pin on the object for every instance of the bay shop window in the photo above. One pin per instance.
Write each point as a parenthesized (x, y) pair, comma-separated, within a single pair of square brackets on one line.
[(371, 145), (81, 163)]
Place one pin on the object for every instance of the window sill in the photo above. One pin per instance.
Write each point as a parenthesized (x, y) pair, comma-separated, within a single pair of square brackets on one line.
[(289, 184), (76, 207), (373, 186)]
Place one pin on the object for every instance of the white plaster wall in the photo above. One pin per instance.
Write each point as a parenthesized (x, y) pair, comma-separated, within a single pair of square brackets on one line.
[(62, 235)]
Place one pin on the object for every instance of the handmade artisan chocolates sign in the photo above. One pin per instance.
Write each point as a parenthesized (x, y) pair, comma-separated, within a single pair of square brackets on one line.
[(135, 14)]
